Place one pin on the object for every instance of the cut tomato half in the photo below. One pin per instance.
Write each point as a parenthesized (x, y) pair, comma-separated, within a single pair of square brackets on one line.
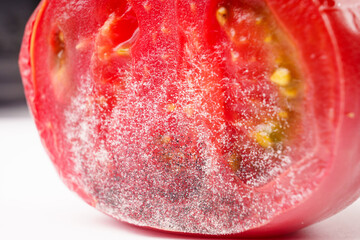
[(203, 117)]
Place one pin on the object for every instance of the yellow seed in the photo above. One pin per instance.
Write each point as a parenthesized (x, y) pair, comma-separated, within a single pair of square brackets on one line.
[(289, 92), (189, 111), (165, 139), (79, 46), (192, 7), (61, 36), (164, 29), (234, 56), (165, 56), (147, 6), (263, 139), (102, 101), (170, 107), (221, 15), (351, 115), (268, 39), (49, 125), (82, 44), (281, 77), (123, 51), (258, 20), (283, 114), (234, 162)]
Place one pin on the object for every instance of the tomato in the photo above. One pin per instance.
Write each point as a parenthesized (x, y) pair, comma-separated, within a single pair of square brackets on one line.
[(202, 117)]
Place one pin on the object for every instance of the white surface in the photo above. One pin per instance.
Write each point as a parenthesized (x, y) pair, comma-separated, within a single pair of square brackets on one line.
[(34, 204)]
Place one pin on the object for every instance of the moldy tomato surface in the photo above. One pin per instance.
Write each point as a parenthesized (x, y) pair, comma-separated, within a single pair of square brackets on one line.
[(205, 117)]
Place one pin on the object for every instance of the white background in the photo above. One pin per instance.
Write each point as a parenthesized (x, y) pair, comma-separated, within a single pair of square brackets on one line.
[(34, 204)]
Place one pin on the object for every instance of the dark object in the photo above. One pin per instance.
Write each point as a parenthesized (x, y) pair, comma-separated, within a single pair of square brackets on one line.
[(13, 17)]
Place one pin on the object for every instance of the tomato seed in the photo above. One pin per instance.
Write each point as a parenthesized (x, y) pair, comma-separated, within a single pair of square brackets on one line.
[(221, 15)]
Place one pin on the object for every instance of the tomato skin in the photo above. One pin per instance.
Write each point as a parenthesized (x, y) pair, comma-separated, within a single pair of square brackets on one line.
[(343, 175), (327, 38)]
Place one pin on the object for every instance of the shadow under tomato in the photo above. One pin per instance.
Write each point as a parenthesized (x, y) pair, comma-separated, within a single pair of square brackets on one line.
[(159, 234)]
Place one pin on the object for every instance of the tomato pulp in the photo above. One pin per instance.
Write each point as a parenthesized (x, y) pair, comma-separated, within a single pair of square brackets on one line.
[(204, 117)]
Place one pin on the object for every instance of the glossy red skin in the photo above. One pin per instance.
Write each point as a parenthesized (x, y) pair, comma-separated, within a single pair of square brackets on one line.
[(326, 35)]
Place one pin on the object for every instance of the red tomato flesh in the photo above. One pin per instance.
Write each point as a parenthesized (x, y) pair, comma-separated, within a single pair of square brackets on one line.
[(203, 117)]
